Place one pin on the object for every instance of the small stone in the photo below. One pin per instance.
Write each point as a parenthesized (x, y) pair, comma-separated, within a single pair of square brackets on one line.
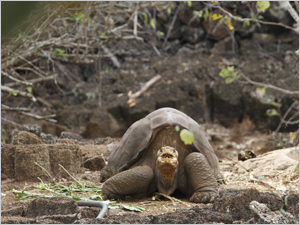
[(95, 164)]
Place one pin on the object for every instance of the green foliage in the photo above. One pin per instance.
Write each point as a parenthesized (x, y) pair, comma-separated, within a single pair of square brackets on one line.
[(152, 23), (272, 112), (276, 104), (78, 17), (297, 169), (246, 23), (260, 92), (263, 5), (189, 3), (286, 200), (29, 89), (106, 69), (229, 74), (169, 10), (187, 137), (133, 208), (183, 64), (282, 211), (177, 128), (13, 93), (59, 52), (297, 52), (145, 19), (159, 34), (103, 36), (206, 14), (2, 132)]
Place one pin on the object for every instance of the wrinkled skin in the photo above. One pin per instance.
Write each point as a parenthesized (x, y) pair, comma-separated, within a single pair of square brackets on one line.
[(165, 166)]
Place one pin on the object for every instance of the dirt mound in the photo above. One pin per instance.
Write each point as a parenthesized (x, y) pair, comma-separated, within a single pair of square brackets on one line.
[(26, 138)]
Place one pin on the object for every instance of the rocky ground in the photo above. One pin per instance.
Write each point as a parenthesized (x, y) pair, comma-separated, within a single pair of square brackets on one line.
[(263, 189)]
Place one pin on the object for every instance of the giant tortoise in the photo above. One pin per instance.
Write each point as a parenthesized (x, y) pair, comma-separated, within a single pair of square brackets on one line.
[(151, 156)]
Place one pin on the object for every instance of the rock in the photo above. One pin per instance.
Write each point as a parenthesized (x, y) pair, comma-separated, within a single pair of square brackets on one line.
[(51, 206), (292, 204), (48, 138), (186, 14), (25, 158), (90, 151), (17, 220), (246, 154), (70, 136), (8, 160), (67, 141), (192, 34), (27, 138), (100, 124), (104, 141), (270, 163), (15, 211), (263, 38), (95, 164), (236, 202), (65, 219), (67, 155), (263, 215), (223, 46)]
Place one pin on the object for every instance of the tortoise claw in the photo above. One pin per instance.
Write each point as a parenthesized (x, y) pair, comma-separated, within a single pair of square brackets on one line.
[(203, 197)]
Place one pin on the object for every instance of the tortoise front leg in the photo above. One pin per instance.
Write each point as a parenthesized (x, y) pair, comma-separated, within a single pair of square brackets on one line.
[(201, 178), (134, 182)]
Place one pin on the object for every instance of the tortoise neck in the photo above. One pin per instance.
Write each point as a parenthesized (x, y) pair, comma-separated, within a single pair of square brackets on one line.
[(166, 179)]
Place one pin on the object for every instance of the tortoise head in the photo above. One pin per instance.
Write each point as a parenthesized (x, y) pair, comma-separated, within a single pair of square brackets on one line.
[(167, 158)]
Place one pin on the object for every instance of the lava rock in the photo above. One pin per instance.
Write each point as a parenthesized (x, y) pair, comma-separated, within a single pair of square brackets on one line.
[(95, 164)]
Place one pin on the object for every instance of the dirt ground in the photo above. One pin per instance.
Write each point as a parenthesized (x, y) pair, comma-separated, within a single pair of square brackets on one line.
[(232, 205)]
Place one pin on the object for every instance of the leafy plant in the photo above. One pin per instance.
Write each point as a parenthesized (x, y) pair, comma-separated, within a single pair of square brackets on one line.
[(152, 23), (272, 112), (13, 93), (78, 17), (297, 169), (59, 52), (262, 5), (229, 74), (145, 19), (159, 34), (103, 36)]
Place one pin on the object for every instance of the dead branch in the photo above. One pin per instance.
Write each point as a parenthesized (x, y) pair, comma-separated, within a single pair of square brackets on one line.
[(268, 85), (14, 79), (24, 94), (172, 24), (112, 57), (7, 108), (250, 19), (41, 117), (10, 122), (49, 105), (153, 80), (30, 82)]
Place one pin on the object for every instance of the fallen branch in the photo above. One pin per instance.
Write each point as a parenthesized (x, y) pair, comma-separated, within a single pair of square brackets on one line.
[(41, 117), (131, 101), (24, 94), (30, 82), (14, 79), (10, 122), (111, 56), (268, 85), (7, 108), (284, 116)]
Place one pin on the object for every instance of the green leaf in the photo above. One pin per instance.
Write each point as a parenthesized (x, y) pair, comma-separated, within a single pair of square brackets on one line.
[(276, 104), (59, 52), (297, 169), (282, 211), (224, 73), (106, 69), (152, 23), (177, 128), (13, 93), (286, 200), (76, 198), (229, 80), (145, 20), (103, 36), (246, 23), (189, 3), (252, 15), (262, 5), (260, 92), (258, 24), (187, 137), (169, 10), (272, 112), (183, 64), (96, 197), (29, 89), (159, 34), (133, 208), (297, 52)]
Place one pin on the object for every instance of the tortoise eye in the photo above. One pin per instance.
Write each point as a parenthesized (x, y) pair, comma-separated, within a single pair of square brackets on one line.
[(160, 150), (173, 150)]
